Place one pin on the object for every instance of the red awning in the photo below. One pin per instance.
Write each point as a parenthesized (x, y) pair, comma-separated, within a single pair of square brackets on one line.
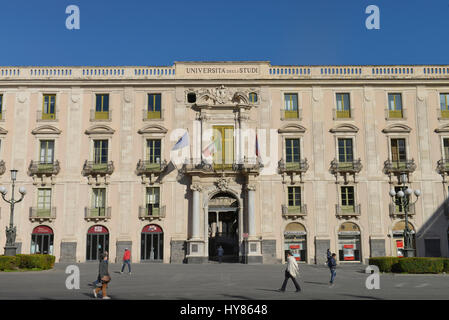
[(42, 230), (151, 228), (98, 229)]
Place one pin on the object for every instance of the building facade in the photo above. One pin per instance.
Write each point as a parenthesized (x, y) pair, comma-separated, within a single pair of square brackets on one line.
[(268, 159)]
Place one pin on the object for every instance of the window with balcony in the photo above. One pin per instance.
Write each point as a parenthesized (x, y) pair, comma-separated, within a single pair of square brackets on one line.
[(46, 155), (152, 202), (98, 202), (294, 198), (100, 151), (154, 106), (343, 106), (395, 105), (444, 105), (398, 153), (292, 153), (345, 152), (102, 107), (49, 107), (291, 106), (252, 97), (347, 199), (222, 147), (446, 148), (43, 203), (153, 151)]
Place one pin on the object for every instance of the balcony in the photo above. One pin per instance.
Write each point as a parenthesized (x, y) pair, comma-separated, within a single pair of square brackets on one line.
[(291, 114), (246, 166), (341, 114), (294, 212), (41, 117), (91, 168), (2, 167), (347, 211), (100, 115), (38, 214), (44, 168), (343, 167), (152, 115), (290, 167), (395, 114), (147, 167), (151, 213), (97, 214), (398, 167), (443, 166), (398, 211), (443, 114)]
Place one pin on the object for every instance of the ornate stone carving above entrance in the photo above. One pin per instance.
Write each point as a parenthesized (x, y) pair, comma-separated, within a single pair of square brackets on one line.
[(222, 183), (222, 97)]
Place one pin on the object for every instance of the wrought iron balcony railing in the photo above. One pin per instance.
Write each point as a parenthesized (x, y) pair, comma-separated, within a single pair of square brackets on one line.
[(247, 165), (40, 214), (443, 166), (98, 213), (294, 211), (93, 168), (148, 167), (300, 166), (406, 166), (2, 167), (38, 168), (350, 167), (399, 210), (343, 211), (150, 212)]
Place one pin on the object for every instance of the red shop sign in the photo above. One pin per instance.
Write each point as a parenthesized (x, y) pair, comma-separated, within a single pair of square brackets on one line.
[(98, 229), (294, 246), (42, 230), (399, 244), (151, 228), (348, 246)]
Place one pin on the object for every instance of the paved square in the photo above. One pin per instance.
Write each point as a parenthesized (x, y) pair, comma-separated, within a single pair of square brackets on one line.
[(220, 281)]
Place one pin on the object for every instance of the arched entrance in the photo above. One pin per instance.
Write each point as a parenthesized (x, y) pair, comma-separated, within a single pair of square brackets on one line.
[(42, 240), (223, 222), (398, 237), (97, 242), (152, 243), (349, 246), (295, 240)]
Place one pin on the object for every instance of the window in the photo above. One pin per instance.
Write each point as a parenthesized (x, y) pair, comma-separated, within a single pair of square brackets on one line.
[(152, 201), (395, 105), (46, 151), (98, 201), (154, 151), (398, 153), (100, 151), (1, 106), (291, 105), (43, 202), (102, 106), (252, 97), (292, 153), (222, 147), (154, 106), (444, 105), (191, 97), (294, 197), (343, 106), (48, 107), (347, 198), (345, 151), (446, 148)]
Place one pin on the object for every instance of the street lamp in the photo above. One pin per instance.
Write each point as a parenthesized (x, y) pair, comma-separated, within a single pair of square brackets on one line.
[(10, 247), (404, 199)]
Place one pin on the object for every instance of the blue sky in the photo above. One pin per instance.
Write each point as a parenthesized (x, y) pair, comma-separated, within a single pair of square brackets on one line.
[(148, 32)]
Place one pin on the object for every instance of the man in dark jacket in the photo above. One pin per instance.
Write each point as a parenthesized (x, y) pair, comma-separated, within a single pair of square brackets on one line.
[(103, 274), (332, 264), (220, 252)]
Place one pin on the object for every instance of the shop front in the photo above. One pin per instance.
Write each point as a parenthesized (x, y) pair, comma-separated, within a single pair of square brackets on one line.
[(349, 245), (295, 240), (152, 244), (42, 240), (97, 242)]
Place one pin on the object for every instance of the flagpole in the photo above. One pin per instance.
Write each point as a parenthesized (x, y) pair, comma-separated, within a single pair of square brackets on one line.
[(190, 146)]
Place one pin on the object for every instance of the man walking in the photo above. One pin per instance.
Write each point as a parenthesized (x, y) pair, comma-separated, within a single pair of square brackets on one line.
[(103, 275), (291, 272), (220, 252), (332, 264), (126, 260)]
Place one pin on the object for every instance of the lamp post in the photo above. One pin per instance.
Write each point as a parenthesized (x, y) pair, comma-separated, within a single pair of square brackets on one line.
[(10, 247), (404, 199)]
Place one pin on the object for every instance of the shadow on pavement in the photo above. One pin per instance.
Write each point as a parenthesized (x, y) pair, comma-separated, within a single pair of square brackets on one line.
[(319, 283), (271, 290), (363, 297), (237, 297)]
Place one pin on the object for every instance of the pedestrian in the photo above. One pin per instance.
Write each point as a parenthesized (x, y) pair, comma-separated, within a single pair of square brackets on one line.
[(329, 256), (126, 260), (97, 282), (104, 276), (291, 272), (332, 264), (220, 252)]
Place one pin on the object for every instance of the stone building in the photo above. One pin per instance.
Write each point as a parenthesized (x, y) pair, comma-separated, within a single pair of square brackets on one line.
[(272, 158)]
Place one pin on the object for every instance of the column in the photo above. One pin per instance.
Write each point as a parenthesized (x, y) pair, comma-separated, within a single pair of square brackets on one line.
[(196, 211), (251, 211)]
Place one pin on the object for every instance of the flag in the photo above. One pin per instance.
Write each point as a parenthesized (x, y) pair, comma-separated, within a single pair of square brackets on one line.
[(182, 142), (213, 147), (257, 147)]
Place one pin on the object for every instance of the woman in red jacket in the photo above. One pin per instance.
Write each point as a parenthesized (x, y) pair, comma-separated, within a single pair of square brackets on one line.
[(126, 260)]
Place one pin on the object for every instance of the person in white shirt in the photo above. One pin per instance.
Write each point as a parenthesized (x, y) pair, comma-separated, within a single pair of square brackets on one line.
[(291, 272)]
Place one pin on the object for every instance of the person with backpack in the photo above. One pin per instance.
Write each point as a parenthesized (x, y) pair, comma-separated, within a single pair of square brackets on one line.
[(126, 260), (292, 272), (103, 274), (332, 264)]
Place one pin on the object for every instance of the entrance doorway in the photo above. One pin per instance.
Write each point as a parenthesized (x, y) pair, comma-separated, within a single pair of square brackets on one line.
[(97, 242), (152, 243), (223, 227), (349, 246), (295, 241), (42, 240)]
